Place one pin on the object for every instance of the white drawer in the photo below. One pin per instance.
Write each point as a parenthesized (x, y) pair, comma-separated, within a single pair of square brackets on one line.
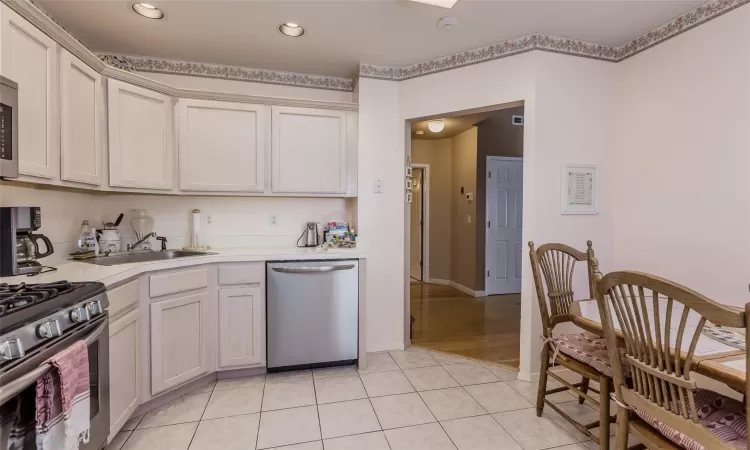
[(241, 273), (181, 281), (122, 297)]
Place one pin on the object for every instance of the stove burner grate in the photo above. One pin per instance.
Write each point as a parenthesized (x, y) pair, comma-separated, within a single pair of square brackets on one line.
[(18, 296)]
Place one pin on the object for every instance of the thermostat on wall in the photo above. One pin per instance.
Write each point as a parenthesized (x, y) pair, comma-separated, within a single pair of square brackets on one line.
[(517, 120)]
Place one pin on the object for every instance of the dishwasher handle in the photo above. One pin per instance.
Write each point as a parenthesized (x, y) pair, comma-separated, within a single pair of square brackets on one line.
[(318, 269)]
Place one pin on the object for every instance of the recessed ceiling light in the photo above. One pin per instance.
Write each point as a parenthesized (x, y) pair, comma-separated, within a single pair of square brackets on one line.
[(291, 29), (441, 3), (436, 126), (148, 10)]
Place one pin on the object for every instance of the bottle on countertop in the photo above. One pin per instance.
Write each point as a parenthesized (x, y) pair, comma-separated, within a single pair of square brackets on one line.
[(87, 239)]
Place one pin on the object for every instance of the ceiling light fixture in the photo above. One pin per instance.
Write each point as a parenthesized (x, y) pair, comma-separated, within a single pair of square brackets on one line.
[(447, 22), (148, 10), (291, 29), (436, 126), (448, 4), (419, 132)]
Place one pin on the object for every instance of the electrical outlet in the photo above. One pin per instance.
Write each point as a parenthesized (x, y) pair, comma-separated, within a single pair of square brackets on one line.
[(209, 219), (273, 220), (378, 186)]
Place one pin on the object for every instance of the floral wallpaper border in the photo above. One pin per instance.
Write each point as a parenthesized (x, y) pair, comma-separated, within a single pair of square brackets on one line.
[(196, 69), (691, 19), (674, 27)]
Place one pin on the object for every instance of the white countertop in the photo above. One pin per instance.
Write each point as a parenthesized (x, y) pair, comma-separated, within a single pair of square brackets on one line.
[(76, 271)]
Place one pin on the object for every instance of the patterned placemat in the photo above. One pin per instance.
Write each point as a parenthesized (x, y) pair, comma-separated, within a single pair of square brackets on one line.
[(725, 336)]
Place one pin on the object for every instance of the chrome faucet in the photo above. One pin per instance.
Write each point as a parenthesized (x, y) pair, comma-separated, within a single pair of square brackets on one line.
[(140, 241)]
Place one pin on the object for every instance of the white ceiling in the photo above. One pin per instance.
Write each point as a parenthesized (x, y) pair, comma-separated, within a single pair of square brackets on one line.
[(341, 33)]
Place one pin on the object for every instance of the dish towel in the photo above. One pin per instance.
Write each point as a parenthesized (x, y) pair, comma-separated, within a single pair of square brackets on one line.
[(62, 401), (17, 422)]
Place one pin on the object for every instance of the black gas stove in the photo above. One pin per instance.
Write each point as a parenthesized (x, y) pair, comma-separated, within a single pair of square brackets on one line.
[(23, 303)]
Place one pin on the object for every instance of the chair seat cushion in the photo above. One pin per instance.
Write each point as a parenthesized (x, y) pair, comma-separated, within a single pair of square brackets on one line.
[(723, 416), (585, 347)]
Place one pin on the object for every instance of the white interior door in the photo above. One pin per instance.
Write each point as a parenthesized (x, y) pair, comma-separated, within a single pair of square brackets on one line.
[(503, 249), (417, 222)]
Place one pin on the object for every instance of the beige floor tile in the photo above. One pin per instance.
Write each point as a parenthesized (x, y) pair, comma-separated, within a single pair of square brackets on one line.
[(132, 423), (339, 389), (479, 433), (413, 359), (502, 373), (444, 359), (170, 437), (379, 362), (532, 432), (288, 426), (188, 408), (426, 378), (571, 447), (228, 433), (207, 387), (317, 445), (529, 391), (242, 382), (453, 403), (581, 413), (401, 410), (346, 418), (421, 437), (470, 373), (497, 397), (392, 382), (295, 375), (591, 445), (234, 402), (119, 440), (368, 441), (327, 372), (289, 394)]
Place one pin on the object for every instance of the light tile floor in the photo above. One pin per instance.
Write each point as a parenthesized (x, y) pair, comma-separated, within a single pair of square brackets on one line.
[(410, 400)]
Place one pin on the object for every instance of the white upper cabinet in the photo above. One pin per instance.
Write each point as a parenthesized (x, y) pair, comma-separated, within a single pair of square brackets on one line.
[(222, 145), (141, 147), (80, 121), (309, 152), (29, 57)]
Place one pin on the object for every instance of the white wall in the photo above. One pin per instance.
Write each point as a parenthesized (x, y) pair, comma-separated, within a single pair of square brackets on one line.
[(249, 88), (236, 221), (567, 102), (680, 170)]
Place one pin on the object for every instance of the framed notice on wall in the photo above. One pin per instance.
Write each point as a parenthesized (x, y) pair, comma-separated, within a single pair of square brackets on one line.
[(580, 189)]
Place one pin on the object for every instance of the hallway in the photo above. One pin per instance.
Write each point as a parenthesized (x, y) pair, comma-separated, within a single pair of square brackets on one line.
[(483, 328)]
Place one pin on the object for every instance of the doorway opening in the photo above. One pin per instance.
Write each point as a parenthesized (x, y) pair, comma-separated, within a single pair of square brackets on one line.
[(465, 297)]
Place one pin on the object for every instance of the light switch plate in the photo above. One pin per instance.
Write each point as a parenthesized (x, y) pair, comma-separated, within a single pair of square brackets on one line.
[(273, 220)]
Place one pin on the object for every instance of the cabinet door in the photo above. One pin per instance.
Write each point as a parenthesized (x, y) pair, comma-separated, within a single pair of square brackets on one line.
[(29, 57), (309, 150), (141, 148), (80, 121), (240, 326), (222, 146), (179, 340), (124, 370)]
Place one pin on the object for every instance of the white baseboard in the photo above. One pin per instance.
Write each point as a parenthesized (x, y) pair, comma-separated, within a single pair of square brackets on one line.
[(529, 377), (438, 281), (466, 290)]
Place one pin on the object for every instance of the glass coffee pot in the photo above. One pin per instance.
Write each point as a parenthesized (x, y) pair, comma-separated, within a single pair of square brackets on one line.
[(27, 248)]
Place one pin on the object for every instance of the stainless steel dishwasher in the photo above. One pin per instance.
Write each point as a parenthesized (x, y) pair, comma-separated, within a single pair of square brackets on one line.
[(312, 311)]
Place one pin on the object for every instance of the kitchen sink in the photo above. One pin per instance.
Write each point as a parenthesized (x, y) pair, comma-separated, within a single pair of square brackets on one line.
[(115, 259)]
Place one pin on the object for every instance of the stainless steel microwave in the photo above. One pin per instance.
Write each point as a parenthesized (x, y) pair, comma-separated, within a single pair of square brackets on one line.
[(8, 128)]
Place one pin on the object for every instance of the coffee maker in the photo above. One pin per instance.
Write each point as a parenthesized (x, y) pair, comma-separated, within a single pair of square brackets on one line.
[(19, 249)]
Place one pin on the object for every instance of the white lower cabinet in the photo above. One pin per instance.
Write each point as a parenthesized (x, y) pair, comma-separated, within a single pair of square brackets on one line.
[(180, 338), (240, 326), (124, 370)]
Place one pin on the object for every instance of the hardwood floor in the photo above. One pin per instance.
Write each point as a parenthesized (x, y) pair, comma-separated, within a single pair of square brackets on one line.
[(484, 328)]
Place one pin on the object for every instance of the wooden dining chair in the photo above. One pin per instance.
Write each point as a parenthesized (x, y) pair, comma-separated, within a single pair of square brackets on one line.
[(583, 353), (663, 407)]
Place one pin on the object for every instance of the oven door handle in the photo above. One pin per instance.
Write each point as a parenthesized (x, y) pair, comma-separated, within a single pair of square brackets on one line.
[(13, 388)]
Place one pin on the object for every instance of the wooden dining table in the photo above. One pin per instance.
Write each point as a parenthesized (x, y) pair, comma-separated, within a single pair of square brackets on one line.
[(713, 359)]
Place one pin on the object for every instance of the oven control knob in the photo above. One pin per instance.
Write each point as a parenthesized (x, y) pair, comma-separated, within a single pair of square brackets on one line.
[(95, 308), (49, 329), (12, 349), (80, 315)]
